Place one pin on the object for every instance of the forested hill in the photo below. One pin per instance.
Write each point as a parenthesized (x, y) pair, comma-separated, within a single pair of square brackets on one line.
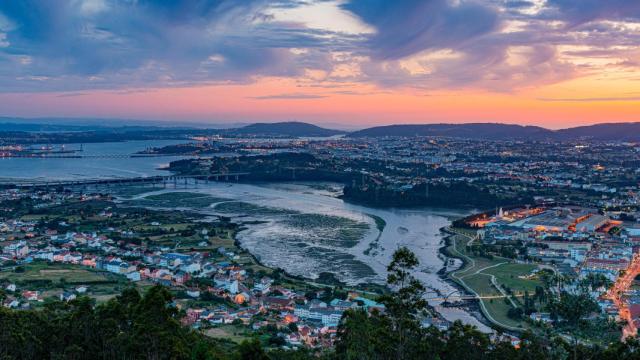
[(26, 133), (607, 132), (292, 128), (470, 131), (492, 131)]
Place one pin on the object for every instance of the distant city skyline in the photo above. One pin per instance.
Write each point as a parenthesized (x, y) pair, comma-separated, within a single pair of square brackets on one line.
[(551, 63)]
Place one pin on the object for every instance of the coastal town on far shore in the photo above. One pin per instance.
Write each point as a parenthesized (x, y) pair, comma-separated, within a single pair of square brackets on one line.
[(550, 234)]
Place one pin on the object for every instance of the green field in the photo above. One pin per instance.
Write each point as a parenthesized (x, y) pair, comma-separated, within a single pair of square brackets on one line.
[(509, 275), (71, 274), (458, 249), (498, 310), (54, 278), (478, 272), (235, 333), (481, 283)]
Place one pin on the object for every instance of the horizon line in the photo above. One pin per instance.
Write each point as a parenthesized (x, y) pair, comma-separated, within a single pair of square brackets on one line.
[(167, 123)]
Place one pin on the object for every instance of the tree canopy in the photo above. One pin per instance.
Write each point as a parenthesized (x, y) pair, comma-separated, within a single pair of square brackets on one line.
[(135, 326)]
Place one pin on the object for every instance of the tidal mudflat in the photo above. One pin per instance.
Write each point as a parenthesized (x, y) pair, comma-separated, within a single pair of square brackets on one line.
[(306, 230)]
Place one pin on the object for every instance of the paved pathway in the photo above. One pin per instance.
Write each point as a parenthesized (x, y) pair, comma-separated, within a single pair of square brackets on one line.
[(469, 289)]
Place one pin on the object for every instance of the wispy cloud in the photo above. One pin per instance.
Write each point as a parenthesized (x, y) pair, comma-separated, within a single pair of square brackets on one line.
[(294, 96), (71, 94), (592, 99)]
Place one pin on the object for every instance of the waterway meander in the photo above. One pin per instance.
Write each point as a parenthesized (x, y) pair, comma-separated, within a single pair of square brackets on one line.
[(304, 229)]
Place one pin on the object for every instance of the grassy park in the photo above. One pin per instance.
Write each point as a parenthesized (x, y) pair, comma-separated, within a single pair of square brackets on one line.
[(499, 282)]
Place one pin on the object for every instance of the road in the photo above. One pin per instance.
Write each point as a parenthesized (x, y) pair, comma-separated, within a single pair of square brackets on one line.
[(616, 293), (473, 292)]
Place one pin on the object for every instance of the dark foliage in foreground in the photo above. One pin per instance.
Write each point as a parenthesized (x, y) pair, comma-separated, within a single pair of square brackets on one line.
[(127, 327), (132, 326)]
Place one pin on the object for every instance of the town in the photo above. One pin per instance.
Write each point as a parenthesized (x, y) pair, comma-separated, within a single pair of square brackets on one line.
[(435, 171), (590, 252), (551, 232), (62, 245)]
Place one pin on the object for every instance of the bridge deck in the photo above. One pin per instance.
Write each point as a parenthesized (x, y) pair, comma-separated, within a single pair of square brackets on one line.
[(24, 184)]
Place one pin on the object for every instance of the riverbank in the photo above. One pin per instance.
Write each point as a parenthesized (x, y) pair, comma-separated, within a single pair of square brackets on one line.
[(485, 279), (367, 290), (474, 307), (278, 242)]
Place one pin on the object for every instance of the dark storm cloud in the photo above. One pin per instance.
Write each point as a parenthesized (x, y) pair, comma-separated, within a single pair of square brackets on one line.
[(582, 11), (410, 26), (143, 41), (74, 45)]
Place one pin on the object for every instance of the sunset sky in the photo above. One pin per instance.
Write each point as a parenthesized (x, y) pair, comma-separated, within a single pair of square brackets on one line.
[(554, 63)]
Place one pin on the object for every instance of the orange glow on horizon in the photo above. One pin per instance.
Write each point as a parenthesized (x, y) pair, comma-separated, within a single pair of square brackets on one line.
[(571, 103)]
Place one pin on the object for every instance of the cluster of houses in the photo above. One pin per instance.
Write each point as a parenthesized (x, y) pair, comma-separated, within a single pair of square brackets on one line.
[(315, 321), (251, 299), (575, 241), (16, 298)]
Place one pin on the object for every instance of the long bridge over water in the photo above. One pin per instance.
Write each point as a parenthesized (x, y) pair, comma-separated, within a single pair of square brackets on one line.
[(96, 156), (162, 180)]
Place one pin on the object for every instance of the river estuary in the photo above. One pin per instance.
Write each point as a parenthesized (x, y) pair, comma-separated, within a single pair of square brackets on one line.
[(303, 228)]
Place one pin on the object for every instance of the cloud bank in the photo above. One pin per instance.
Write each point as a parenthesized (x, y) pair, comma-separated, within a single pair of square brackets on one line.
[(499, 45)]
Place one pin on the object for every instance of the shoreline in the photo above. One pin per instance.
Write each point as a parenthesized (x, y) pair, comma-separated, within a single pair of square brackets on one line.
[(471, 307), (308, 281), (478, 308), (474, 307)]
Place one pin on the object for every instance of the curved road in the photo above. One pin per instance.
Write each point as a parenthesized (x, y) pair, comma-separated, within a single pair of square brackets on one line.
[(477, 296)]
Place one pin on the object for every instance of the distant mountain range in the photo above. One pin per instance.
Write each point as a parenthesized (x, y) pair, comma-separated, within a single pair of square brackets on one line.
[(486, 131), (492, 131), (41, 125)]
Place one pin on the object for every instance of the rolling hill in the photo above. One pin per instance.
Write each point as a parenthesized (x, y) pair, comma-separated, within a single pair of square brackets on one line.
[(292, 128), (481, 131), (610, 131), (493, 131), (488, 131)]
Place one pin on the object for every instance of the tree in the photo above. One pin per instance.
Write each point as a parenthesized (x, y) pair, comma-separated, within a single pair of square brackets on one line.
[(515, 313), (155, 323), (465, 342), (251, 350), (293, 327), (594, 281), (396, 334), (573, 307), (362, 336), (407, 299)]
